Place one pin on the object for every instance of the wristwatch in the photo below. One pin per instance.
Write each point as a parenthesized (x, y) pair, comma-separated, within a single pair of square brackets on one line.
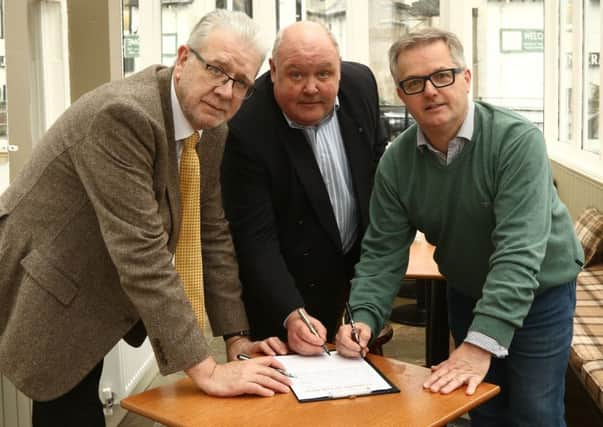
[(243, 333)]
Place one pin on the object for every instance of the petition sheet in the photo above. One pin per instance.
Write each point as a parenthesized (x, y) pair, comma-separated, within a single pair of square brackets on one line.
[(331, 377)]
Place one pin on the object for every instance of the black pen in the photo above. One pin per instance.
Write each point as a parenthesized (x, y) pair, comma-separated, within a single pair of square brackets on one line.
[(310, 326), (243, 356), (348, 310)]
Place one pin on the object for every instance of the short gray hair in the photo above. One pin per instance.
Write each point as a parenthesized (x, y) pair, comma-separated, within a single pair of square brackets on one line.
[(279, 38), (234, 21), (422, 37)]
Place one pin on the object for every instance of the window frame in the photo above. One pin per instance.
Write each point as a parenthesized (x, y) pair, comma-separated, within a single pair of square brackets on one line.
[(571, 154)]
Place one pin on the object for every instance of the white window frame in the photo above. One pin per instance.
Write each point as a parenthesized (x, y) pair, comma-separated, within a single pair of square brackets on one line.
[(569, 154)]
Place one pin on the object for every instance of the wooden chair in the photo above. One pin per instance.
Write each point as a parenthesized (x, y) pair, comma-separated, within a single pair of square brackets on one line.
[(384, 336)]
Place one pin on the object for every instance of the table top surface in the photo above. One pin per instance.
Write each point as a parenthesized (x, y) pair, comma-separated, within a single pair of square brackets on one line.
[(182, 404), (420, 262)]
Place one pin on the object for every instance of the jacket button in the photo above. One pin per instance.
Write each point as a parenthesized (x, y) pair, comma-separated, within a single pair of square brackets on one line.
[(306, 253), (300, 221), (311, 285)]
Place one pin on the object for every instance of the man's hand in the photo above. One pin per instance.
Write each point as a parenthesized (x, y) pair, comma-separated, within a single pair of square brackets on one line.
[(468, 364), (255, 376), (299, 337), (270, 346), (344, 341)]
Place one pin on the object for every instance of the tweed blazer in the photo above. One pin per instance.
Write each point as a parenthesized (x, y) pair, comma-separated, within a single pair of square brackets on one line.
[(87, 235), (285, 232)]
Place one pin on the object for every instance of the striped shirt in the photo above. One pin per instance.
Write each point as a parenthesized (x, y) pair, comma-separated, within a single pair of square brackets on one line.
[(327, 145), (456, 145)]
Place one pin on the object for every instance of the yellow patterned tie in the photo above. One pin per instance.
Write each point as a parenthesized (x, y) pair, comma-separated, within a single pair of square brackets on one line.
[(188, 252)]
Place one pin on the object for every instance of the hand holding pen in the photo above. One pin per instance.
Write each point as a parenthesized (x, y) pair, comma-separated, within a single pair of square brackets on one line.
[(243, 356), (348, 311), (352, 338), (311, 328)]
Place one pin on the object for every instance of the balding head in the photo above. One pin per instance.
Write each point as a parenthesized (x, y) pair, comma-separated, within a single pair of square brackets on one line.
[(304, 32)]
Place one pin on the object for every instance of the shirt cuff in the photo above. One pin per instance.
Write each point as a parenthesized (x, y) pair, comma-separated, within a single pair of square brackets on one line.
[(486, 343)]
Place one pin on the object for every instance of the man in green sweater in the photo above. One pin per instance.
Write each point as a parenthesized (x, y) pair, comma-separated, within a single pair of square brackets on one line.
[(476, 180)]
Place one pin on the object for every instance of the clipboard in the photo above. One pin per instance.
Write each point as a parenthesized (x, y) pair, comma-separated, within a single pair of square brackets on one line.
[(322, 377)]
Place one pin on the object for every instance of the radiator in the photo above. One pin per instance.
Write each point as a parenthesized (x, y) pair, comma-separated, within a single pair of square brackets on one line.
[(126, 370), (15, 407), (577, 191)]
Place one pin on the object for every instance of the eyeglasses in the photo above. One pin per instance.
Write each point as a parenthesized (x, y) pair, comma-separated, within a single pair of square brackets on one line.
[(440, 78), (219, 77)]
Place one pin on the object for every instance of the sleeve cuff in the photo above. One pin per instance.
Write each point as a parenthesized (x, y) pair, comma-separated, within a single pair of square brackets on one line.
[(486, 343)]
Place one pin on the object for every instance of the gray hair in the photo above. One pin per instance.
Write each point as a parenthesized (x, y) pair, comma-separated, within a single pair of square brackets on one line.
[(279, 38), (422, 37), (234, 21)]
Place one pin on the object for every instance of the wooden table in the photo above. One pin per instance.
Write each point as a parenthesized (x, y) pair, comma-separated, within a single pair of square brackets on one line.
[(182, 404), (424, 270)]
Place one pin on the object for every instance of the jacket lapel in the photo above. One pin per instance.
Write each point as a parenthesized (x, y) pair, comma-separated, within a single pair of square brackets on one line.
[(303, 160), (359, 161), (173, 183)]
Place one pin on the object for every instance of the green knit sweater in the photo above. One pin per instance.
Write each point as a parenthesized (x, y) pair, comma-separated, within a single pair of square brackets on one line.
[(501, 233)]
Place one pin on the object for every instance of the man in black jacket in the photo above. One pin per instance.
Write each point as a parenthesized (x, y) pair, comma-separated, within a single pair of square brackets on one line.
[(297, 176)]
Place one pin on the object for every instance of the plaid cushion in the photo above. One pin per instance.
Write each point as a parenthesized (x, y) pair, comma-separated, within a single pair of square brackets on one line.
[(586, 355), (589, 228)]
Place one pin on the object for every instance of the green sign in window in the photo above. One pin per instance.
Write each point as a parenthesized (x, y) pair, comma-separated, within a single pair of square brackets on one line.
[(532, 40), (521, 40), (131, 46)]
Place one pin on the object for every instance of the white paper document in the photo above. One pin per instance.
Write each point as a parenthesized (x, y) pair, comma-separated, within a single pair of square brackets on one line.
[(331, 377)]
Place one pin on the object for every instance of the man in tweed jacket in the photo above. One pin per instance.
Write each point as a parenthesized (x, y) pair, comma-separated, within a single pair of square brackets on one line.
[(89, 228)]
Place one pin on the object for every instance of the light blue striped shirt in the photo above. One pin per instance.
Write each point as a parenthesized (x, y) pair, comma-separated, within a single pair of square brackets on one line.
[(327, 145)]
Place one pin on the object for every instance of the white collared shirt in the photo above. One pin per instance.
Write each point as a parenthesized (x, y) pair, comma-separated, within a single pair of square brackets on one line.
[(182, 128), (457, 144)]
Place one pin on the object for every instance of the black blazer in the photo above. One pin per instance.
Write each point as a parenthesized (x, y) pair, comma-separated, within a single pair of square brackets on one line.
[(286, 237)]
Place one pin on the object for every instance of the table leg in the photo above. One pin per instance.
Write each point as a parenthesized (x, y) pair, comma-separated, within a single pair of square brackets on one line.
[(437, 332), (412, 314)]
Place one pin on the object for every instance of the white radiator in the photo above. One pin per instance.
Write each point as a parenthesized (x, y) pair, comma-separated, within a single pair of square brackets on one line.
[(126, 370), (15, 407)]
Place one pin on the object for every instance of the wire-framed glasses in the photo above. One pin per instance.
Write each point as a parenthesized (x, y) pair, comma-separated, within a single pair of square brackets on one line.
[(219, 77)]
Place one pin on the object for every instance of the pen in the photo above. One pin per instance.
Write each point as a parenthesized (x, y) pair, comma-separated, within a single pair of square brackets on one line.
[(303, 316), (243, 356), (351, 319)]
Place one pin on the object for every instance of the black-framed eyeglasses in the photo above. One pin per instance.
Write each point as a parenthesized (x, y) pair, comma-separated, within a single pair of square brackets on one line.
[(219, 77), (441, 78)]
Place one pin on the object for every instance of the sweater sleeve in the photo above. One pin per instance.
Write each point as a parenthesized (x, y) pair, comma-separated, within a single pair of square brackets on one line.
[(385, 249)]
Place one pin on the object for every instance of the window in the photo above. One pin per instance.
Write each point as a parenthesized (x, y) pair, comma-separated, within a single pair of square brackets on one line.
[(130, 37), (575, 74), (508, 57), (591, 77), (240, 5)]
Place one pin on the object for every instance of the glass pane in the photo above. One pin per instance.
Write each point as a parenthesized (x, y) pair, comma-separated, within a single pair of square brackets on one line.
[(508, 63), (332, 14), (131, 40), (592, 76), (388, 21), (243, 6), (4, 146), (565, 70)]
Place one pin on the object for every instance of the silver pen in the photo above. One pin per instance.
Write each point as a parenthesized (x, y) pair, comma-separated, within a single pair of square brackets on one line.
[(243, 356), (348, 310), (311, 327)]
